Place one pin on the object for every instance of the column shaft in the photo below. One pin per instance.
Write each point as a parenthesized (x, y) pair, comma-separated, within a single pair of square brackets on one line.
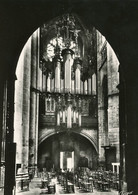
[(26, 106), (18, 107), (94, 84), (37, 101), (32, 128), (32, 101), (36, 133)]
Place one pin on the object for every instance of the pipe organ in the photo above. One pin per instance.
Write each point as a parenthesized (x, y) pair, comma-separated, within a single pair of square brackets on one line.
[(68, 84), (67, 79), (68, 90)]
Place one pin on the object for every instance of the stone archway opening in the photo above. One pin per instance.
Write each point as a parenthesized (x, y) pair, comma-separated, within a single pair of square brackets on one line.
[(116, 33), (67, 151), (61, 86)]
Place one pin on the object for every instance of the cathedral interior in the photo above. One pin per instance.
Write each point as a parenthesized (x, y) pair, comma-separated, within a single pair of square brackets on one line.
[(68, 103)]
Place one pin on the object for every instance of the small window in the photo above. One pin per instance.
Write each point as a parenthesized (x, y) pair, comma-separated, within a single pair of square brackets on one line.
[(50, 105)]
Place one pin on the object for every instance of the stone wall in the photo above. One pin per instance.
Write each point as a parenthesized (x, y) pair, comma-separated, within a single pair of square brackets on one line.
[(27, 103), (108, 97)]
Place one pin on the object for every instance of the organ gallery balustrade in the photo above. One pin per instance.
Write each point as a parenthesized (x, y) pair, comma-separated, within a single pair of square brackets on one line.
[(50, 121)]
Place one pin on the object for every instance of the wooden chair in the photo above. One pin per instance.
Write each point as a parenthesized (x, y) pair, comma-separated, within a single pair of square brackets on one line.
[(70, 187), (51, 188)]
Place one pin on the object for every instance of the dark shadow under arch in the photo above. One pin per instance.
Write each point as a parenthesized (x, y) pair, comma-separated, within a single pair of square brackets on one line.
[(67, 142), (93, 142)]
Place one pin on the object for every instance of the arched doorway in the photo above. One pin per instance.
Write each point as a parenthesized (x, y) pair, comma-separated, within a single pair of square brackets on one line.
[(57, 150), (62, 72)]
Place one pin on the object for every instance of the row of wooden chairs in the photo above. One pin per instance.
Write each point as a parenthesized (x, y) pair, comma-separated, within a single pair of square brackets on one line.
[(105, 180), (100, 180), (46, 185), (66, 182), (86, 181), (85, 185)]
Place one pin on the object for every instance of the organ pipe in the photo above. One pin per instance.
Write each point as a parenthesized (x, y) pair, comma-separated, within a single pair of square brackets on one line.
[(52, 84), (60, 114), (74, 116), (85, 87), (77, 75), (81, 87), (69, 118), (57, 75), (68, 62), (58, 118), (89, 86), (72, 86), (63, 116), (77, 114), (48, 82), (79, 119), (71, 115), (44, 82), (77, 80), (62, 85)]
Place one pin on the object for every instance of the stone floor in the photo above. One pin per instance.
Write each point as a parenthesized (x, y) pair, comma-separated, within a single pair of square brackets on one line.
[(35, 189)]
